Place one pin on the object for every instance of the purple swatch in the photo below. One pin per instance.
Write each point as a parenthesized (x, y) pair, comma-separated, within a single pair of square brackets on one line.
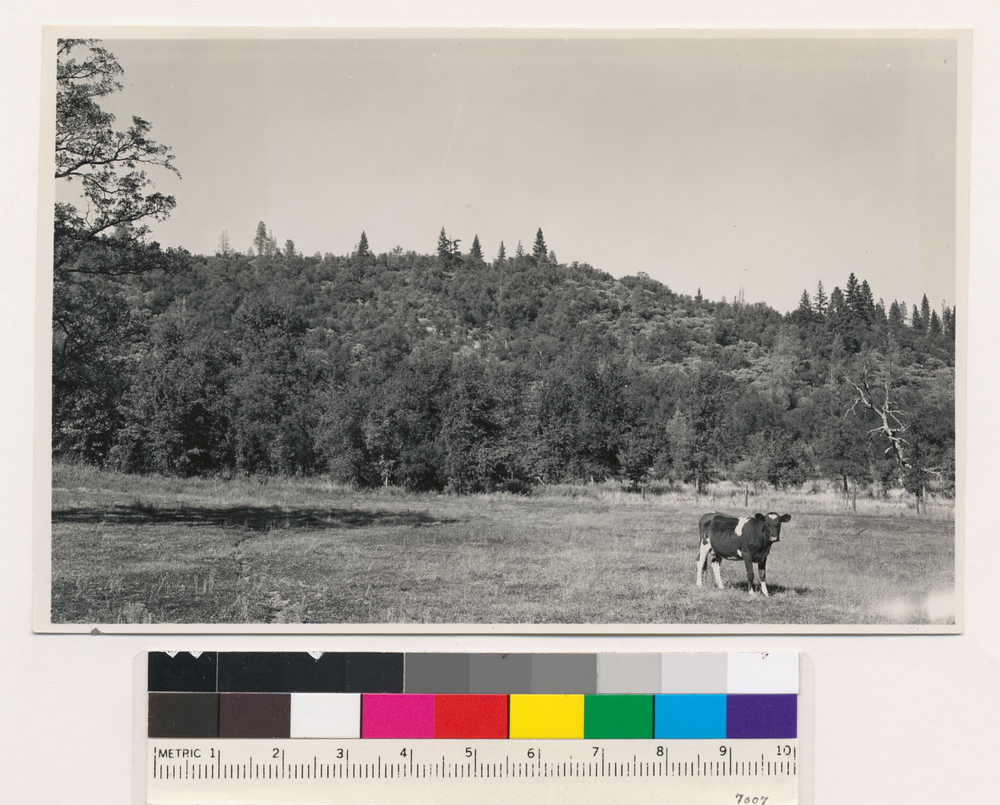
[(402, 715), (761, 716)]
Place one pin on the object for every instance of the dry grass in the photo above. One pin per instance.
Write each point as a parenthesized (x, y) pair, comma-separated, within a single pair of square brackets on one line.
[(132, 549)]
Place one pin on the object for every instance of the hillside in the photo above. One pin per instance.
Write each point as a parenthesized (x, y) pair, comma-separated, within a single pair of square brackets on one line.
[(453, 372)]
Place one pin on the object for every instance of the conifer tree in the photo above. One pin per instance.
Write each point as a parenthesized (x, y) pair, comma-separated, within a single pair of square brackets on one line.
[(540, 251), (915, 322), (935, 323), (821, 299), (866, 301), (476, 252), (444, 246), (520, 250), (925, 313), (948, 320), (837, 302), (851, 294), (501, 254), (363, 250), (805, 309), (261, 240)]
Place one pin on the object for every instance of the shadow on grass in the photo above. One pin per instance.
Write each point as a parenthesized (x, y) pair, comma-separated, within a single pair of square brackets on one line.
[(780, 588), (254, 518)]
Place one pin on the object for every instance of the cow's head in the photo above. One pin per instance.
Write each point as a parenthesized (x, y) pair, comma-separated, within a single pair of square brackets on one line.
[(772, 524)]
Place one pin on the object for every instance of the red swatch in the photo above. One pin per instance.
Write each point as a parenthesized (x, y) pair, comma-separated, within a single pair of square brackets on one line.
[(470, 716)]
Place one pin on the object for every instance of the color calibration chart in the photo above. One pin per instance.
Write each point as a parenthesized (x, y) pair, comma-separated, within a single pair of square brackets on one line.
[(286, 727)]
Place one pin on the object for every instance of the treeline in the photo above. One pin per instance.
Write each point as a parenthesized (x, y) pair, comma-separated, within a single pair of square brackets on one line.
[(453, 372)]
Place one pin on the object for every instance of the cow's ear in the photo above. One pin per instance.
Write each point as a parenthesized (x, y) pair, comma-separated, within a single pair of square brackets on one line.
[(785, 518), (759, 516)]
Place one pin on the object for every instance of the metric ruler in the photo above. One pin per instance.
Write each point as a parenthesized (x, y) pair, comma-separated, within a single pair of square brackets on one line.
[(757, 772), (292, 728)]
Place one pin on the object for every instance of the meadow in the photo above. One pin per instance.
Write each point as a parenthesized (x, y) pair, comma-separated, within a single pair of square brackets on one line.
[(151, 549)]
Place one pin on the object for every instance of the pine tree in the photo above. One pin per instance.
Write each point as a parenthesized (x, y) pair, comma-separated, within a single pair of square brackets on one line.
[(447, 248), (925, 313), (915, 322), (852, 295), (289, 249), (897, 314), (866, 302), (363, 251), (821, 299), (225, 247), (540, 251), (501, 254), (476, 252), (935, 323), (805, 309), (261, 240), (837, 302), (520, 250), (948, 320)]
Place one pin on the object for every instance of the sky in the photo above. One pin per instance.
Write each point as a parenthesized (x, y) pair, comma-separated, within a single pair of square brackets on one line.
[(760, 166)]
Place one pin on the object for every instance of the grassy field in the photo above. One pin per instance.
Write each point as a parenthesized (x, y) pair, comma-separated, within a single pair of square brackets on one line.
[(129, 549)]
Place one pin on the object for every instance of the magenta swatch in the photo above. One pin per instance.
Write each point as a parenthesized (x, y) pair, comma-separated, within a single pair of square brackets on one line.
[(392, 715)]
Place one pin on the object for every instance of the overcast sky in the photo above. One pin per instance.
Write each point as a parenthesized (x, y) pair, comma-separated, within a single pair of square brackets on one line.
[(763, 164)]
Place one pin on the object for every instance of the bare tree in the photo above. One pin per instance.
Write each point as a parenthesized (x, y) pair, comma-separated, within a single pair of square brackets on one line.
[(876, 396)]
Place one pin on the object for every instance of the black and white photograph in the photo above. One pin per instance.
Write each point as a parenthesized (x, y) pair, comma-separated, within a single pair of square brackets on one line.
[(502, 330)]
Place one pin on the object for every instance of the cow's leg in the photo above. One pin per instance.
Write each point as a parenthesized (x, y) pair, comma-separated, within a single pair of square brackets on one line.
[(762, 570), (748, 561), (703, 553), (717, 570)]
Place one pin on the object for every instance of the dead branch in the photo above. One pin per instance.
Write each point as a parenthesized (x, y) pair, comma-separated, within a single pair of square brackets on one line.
[(887, 411)]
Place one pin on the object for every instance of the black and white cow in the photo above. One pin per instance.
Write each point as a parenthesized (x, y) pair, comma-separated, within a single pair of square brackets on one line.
[(746, 538)]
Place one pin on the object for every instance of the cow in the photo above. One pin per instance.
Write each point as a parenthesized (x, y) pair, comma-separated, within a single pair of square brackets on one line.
[(746, 538)]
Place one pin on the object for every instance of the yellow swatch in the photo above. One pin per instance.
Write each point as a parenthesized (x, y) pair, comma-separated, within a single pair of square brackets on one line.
[(546, 716)]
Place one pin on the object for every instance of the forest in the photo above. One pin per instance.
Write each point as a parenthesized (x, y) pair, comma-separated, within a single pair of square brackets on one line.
[(457, 370)]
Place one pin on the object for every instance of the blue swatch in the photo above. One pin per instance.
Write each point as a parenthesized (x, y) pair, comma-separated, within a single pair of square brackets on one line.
[(689, 716)]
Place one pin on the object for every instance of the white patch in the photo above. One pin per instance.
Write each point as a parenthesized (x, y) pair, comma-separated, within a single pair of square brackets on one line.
[(739, 554), (703, 553), (718, 574), (940, 607), (739, 526), (763, 589)]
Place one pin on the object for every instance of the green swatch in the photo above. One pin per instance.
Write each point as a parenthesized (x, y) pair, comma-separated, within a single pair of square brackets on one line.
[(617, 716)]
